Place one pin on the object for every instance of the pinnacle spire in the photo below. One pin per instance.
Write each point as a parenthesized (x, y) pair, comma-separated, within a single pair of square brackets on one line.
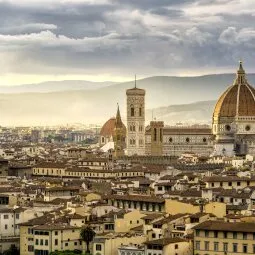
[(118, 117), (240, 75), (241, 67)]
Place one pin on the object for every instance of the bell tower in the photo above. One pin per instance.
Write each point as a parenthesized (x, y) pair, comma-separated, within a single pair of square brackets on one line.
[(135, 121)]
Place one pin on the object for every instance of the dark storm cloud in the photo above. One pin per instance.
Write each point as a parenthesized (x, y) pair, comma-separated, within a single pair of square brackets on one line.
[(118, 36)]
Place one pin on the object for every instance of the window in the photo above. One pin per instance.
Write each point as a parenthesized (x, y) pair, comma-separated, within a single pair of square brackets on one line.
[(5, 226), (176, 246), (17, 216), (46, 242), (6, 216), (212, 184), (41, 241), (66, 244), (98, 247), (238, 183), (197, 232), (245, 248), (225, 234), (229, 183), (132, 111), (36, 241), (235, 248), (216, 246), (30, 248), (197, 245), (56, 233), (140, 111), (206, 233), (225, 247), (234, 235), (153, 235), (155, 134), (244, 236), (75, 243), (206, 245), (215, 234), (254, 248), (56, 241)]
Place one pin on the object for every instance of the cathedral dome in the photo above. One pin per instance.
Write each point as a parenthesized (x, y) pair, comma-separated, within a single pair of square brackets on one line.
[(237, 100), (108, 127)]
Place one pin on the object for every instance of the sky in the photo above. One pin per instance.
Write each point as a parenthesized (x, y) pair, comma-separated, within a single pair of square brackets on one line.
[(111, 40)]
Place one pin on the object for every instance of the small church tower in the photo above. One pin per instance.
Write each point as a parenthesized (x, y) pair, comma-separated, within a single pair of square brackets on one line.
[(119, 137)]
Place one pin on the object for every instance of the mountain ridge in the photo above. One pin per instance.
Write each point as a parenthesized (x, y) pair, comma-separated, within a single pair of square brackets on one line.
[(175, 95)]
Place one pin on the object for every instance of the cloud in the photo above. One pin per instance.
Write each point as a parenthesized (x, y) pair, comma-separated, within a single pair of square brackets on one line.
[(125, 37), (232, 36)]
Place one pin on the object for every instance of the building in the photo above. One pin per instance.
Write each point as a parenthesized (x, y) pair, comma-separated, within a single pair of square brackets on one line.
[(135, 121), (109, 244), (218, 237), (177, 140), (234, 118), (168, 246), (43, 239)]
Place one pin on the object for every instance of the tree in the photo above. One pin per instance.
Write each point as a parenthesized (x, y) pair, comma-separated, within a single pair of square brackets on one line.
[(13, 250), (87, 235)]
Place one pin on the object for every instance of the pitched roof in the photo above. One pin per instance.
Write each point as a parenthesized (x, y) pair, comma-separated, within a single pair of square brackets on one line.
[(226, 226)]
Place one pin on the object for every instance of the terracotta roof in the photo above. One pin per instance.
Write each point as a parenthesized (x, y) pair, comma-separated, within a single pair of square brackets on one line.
[(166, 241), (227, 178), (237, 100), (50, 165), (169, 218), (227, 226), (144, 198), (109, 126)]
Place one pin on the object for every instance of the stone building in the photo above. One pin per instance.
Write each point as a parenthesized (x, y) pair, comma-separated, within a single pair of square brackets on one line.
[(234, 118), (135, 121), (176, 140)]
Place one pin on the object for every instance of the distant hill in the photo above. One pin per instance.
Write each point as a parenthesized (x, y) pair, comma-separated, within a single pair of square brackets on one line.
[(182, 96), (54, 86), (198, 112)]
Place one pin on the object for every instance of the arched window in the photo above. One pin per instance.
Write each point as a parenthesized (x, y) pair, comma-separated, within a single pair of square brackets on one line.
[(155, 134), (140, 111), (132, 110)]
